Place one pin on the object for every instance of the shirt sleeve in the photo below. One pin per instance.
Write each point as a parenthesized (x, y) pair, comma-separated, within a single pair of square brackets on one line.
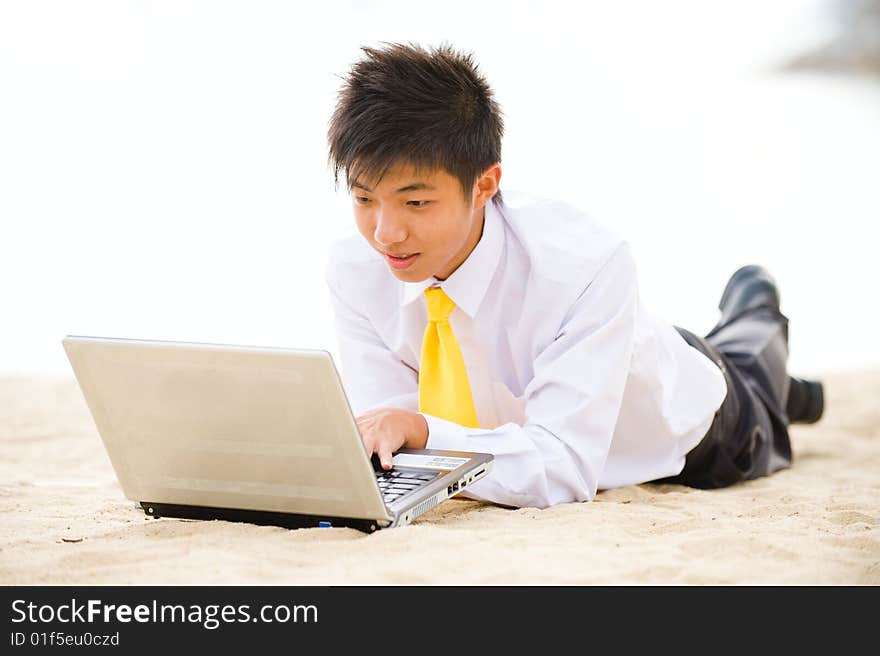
[(571, 404), (372, 374)]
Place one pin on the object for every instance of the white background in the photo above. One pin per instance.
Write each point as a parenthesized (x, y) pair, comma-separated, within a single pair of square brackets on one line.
[(163, 165)]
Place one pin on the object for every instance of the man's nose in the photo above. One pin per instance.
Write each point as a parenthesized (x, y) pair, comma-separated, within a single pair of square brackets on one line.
[(390, 228)]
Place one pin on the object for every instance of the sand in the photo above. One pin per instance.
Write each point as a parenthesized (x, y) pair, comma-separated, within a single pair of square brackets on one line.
[(65, 520)]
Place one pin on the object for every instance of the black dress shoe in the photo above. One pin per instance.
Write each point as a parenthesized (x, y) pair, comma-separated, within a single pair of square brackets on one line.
[(806, 401), (750, 288), (738, 276)]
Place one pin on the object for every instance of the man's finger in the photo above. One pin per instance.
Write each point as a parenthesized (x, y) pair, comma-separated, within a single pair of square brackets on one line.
[(385, 457)]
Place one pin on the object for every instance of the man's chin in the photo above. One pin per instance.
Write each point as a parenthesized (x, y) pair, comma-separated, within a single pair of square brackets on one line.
[(407, 275)]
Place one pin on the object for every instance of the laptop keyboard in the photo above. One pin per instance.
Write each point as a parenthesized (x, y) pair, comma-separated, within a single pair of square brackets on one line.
[(394, 483)]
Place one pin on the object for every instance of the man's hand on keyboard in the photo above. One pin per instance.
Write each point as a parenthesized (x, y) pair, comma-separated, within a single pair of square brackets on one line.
[(385, 430)]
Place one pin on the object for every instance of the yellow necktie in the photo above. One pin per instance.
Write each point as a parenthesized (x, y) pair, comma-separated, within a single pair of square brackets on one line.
[(444, 390)]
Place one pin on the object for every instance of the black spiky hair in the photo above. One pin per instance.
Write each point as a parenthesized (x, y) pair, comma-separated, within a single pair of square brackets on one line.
[(429, 108)]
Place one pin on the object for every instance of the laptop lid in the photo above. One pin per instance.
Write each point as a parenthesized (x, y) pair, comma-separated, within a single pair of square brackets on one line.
[(255, 428)]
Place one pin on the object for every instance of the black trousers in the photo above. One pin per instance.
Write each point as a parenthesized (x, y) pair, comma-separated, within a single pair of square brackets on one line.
[(748, 437)]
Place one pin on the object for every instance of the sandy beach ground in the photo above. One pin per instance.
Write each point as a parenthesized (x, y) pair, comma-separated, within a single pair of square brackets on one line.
[(65, 520)]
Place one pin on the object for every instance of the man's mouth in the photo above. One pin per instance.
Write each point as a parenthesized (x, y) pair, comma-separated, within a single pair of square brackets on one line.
[(401, 261)]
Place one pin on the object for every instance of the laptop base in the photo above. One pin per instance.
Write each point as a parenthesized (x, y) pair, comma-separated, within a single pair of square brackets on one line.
[(285, 520)]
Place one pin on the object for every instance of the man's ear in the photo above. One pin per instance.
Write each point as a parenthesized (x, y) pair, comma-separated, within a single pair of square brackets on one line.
[(487, 185)]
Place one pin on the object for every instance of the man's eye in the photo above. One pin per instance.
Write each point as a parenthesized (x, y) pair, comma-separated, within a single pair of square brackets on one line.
[(417, 203), (362, 199)]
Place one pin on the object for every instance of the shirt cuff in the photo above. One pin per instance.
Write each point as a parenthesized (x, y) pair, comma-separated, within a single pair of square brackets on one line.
[(445, 435)]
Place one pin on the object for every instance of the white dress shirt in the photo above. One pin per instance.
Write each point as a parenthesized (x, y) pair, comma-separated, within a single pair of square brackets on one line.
[(576, 386)]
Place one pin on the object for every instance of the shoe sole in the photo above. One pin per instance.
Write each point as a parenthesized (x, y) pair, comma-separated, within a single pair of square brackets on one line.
[(816, 403)]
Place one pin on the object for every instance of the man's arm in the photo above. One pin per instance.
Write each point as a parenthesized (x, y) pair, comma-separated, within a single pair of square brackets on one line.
[(572, 403), (373, 375)]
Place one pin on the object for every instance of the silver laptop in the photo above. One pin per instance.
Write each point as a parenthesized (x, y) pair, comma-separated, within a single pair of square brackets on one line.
[(255, 434)]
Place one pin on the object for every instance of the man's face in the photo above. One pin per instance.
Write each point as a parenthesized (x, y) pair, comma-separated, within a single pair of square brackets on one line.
[(424, 215)]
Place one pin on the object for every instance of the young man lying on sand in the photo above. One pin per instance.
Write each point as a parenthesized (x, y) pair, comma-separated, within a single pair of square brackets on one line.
[(514, 326)]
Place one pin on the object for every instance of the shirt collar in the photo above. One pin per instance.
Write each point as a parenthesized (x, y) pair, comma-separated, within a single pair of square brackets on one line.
[(468, 283)]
